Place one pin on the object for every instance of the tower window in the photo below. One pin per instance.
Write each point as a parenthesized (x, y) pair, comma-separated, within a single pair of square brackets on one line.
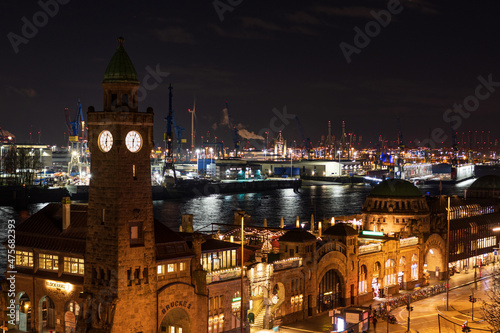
[(114, 100), (133, 171), (125, 99), (136, 237)]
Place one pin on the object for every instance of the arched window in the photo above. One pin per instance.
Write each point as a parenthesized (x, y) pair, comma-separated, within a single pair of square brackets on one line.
[(362, 279), (376, 268), (390, 272), (414, 267)]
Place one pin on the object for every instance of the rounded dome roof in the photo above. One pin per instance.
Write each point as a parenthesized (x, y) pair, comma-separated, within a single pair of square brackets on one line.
[(297, 235), (395, 188), (120, 68), (340, 229), (486, 182)]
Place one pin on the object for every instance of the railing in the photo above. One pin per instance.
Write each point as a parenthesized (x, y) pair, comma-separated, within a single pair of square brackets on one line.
[(415, 296), (223, 275), (287, 263), (370, 248), (329, 247), (408, 241)]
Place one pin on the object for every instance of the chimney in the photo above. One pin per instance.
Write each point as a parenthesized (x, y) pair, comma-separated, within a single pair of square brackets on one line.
[(187, 222), (66, 212)]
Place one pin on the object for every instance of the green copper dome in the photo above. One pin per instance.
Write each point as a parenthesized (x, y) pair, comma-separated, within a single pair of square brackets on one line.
[(395, 188), (486, 182), (120, 68)]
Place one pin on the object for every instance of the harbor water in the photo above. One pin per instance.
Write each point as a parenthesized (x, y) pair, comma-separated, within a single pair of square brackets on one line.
[(323, 201)]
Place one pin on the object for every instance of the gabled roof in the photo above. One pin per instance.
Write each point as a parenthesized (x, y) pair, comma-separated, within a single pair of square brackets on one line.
[(212, 244), (44, 231)]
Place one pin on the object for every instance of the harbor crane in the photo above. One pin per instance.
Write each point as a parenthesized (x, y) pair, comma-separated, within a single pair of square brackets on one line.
[(169, 156), (178, 135), (307, 141), (77, 139)]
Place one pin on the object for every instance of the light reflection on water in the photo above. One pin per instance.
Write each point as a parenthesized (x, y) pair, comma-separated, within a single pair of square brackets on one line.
[(322, 201)]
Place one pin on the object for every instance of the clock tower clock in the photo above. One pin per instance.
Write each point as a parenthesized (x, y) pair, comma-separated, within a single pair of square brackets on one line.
[(120, 266)]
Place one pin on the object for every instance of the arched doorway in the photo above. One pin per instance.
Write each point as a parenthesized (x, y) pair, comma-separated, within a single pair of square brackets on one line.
[(176, 321), (434, 263), (277, 298), (71, 314), (47, 317), (23, 312), (330, 291)]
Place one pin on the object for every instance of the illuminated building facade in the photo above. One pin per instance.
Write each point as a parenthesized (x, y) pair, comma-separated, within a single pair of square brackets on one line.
[(110, 267)]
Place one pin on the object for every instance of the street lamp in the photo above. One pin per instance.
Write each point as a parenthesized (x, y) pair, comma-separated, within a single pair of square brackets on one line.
[(448, 255), (242, 261)]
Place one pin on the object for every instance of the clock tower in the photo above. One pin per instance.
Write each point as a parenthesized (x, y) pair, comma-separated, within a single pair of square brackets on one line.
[(120, 266)]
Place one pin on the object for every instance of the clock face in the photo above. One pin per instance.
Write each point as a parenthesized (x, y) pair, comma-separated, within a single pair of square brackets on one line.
[(105, 141), (133, 141)]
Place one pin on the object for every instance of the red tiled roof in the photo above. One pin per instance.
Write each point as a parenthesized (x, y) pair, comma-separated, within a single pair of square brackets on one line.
[(43, 231)]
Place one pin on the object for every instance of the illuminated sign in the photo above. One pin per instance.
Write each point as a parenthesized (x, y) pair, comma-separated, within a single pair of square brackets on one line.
[(236, 299), (372, 233), (59, 285)]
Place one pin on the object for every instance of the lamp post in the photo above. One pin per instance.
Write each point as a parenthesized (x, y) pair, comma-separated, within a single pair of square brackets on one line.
[(448, 256), (242, 261)]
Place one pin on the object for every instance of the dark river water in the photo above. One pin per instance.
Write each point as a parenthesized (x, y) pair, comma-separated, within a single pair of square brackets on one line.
[(324, 201)]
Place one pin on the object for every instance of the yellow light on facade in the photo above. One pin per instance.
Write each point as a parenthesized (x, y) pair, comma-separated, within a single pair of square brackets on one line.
[(68, 287)]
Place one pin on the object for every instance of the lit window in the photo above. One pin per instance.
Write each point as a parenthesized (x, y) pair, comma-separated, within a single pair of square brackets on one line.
[(182, 266), (24, 258), (161, 269), (171, 268), (134, 232), (48, 261), (73, 265)]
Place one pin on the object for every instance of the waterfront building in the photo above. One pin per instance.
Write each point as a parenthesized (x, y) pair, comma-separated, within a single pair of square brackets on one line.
[(110, 267)]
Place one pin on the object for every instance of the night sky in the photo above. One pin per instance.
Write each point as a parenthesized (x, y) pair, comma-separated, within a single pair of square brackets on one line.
[(262, 55)]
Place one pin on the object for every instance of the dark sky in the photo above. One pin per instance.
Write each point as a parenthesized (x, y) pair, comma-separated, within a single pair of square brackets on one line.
[(262, 55)]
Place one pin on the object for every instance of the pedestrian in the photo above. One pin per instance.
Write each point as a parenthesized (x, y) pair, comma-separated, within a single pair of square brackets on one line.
[(374, 321)]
